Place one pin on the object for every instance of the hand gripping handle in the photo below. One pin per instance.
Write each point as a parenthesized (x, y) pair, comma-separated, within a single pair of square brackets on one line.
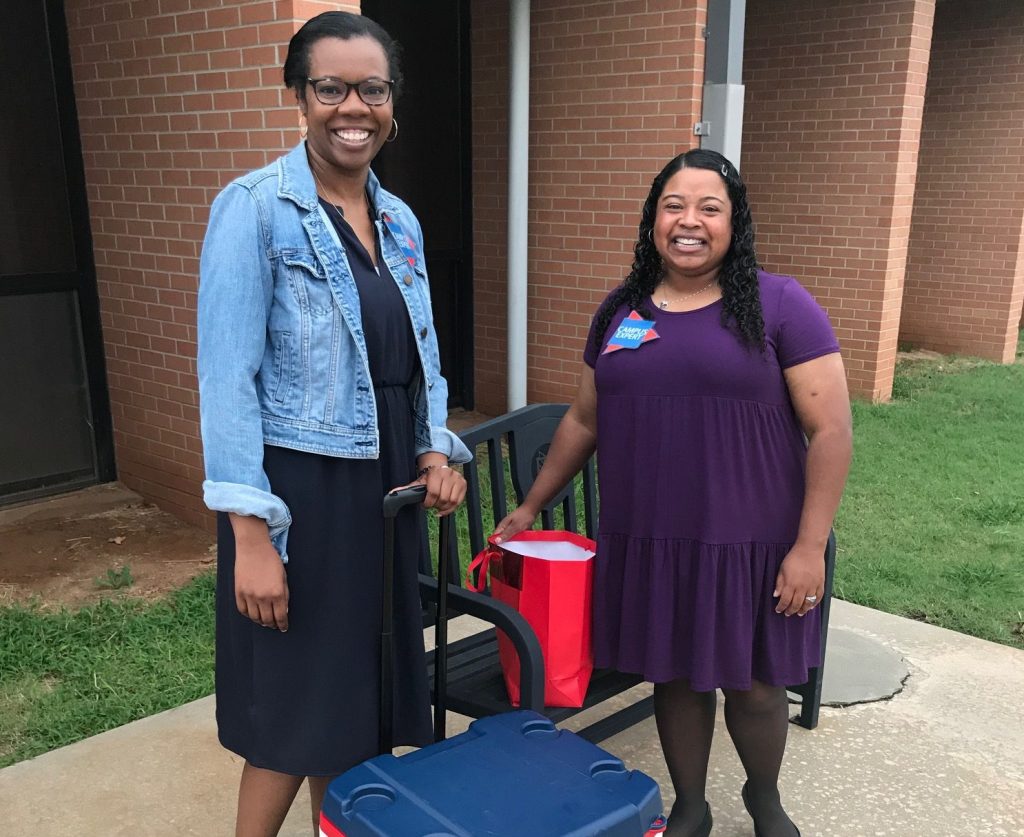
[(395, 501)]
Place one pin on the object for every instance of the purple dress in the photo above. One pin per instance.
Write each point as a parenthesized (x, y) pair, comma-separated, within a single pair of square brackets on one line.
[(701, 465)]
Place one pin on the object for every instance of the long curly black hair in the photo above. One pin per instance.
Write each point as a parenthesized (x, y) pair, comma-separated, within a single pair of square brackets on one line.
[(741, 298)]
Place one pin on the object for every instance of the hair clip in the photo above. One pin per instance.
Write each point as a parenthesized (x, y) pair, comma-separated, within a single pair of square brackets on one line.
[(725, 170)]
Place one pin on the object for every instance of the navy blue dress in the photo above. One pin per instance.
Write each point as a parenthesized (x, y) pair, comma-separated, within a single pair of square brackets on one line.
[(305, 702)]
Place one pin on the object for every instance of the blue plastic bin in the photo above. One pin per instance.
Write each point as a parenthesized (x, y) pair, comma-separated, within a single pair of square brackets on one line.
[(511, 775)]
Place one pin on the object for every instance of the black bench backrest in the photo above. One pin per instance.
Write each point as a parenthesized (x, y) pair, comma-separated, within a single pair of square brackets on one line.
[(515, 445)]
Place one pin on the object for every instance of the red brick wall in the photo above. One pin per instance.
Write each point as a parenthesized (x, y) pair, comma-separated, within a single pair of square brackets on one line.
[(965, 271), (175, 98), (615, 88), (835, 91), (1020, 273)]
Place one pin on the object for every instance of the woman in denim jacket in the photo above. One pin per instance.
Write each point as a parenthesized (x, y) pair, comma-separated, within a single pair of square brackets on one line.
[(320, 390)]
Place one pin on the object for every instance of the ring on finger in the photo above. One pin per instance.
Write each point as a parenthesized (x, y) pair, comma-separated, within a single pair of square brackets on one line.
[(810, 599)]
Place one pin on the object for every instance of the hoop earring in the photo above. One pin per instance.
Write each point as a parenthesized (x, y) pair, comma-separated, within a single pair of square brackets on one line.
[(650, 235), (303, 129), (391, 137)]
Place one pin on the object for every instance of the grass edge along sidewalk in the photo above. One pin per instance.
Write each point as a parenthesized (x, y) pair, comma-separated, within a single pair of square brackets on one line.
[(932, 522), (932, 527), (67, 675)]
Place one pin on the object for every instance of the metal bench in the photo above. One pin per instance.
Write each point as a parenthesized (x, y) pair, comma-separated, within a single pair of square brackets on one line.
[(810, 692), (515, 445)]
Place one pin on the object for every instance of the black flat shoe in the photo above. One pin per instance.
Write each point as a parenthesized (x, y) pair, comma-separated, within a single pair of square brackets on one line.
[(704, 829), (746, 804)]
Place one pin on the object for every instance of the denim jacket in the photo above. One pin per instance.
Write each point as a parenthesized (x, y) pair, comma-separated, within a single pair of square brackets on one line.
[(282, 357)]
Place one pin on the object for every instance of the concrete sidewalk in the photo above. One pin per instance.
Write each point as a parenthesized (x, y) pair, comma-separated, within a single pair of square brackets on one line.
[(943, 757)]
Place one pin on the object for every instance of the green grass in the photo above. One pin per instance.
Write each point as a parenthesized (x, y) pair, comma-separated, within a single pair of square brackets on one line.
[(932, 523), (116, 579), (67, 675), (932, 527)]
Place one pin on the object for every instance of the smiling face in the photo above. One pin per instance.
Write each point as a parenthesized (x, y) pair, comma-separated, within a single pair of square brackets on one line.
[(346, 137), (693, 226)]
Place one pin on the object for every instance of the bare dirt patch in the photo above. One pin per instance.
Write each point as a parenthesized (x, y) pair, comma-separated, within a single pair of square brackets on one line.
[(918, 354), (100, 542), (73, 549), (925, 358)]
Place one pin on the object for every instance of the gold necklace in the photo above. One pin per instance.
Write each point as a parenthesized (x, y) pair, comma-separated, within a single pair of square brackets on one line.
[(327, 195), (666, 302), (341, 212)]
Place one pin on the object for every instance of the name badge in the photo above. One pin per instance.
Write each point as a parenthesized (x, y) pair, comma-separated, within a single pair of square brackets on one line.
[(632, 332), (407, 245)]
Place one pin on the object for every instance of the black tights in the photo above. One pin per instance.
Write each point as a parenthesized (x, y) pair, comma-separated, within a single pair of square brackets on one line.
[(757, 720), (686, 724)]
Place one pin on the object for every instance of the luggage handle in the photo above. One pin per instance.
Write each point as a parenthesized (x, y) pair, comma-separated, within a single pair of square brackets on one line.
[(444, 536), (395, 501)]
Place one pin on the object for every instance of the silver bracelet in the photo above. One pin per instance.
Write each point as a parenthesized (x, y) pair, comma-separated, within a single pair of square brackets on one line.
[(422, 471)]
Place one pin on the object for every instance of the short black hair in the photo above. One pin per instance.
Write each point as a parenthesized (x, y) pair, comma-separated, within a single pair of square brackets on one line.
[(343, 25)]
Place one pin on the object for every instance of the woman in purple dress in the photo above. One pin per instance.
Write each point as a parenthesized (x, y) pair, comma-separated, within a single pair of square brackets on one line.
[(715, 396)]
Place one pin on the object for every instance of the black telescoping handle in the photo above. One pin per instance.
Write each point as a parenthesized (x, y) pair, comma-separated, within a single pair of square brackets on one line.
[(441, 627), (394, 501)]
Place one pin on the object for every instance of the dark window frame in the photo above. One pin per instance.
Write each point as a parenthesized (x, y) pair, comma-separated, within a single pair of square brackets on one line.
[(82, 281)]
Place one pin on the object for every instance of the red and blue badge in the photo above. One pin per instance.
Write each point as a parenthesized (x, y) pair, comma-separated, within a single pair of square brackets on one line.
[(405, 242), (632, 333)]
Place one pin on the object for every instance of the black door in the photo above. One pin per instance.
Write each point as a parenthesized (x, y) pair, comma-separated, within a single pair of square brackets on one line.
[(55, 429), (428, 165)]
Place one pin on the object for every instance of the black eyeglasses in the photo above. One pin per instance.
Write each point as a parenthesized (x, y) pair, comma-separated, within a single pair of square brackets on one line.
[(333, 91)]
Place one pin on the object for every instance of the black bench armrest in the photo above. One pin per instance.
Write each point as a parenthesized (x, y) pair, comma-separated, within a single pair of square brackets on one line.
[(507, 619)]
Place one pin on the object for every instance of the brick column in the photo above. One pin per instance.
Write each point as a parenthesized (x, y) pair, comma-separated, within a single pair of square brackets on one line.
[(615, 88), (965, 271), (175, 98), (835, 91)]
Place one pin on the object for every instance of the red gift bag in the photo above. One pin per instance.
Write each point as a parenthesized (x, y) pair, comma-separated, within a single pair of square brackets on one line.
[(546, 576)]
